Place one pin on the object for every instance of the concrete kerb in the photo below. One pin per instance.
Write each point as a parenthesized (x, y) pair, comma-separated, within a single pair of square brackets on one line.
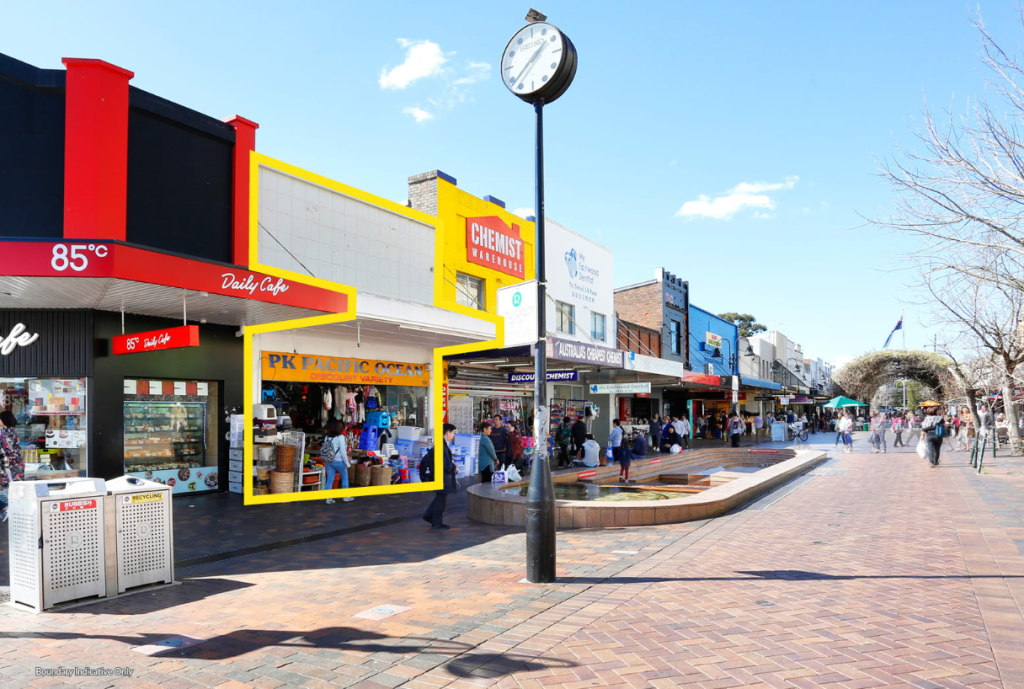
[(493, 505)]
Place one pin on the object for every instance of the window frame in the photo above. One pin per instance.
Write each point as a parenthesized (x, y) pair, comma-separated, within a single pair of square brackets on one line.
[(565, 310), (675, 336), (594, 315), (478, 301)]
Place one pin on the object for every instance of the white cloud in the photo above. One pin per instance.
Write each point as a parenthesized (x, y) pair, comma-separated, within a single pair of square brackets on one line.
[(745, 195), (422, 59), (420, 114), (524, 212), (761, 187), (476, 71)]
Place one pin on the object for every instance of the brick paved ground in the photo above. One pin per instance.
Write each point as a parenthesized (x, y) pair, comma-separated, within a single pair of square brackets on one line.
[(878, 571)]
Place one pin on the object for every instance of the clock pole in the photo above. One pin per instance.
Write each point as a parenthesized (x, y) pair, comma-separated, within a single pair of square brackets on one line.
[(540, 496), (539, 83)]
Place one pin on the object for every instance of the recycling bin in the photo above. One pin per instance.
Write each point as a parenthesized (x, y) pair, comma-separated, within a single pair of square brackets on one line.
[(56, 541), (140, 534)]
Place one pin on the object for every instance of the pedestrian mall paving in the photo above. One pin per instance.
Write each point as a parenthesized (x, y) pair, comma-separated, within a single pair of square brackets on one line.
[(872, 570)]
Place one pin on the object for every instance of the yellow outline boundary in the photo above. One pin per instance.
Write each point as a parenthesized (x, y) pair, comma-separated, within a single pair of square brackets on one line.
[(437, 372)]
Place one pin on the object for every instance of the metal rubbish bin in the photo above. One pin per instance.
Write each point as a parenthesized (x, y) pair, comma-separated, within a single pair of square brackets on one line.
[(140, 534), (56, 541)]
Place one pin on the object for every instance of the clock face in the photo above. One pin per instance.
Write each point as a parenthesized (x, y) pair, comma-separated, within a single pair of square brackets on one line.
[(532, 58)]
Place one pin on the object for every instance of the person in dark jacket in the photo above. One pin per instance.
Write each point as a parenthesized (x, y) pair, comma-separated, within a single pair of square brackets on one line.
[(655, 429), (435, 513), (499, 438), (487, 457), (640, 446), (563, 438), (670, 438), (579, 436)]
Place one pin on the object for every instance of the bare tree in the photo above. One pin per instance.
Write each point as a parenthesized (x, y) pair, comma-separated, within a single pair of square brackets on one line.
[(962, 194), (989, 315)]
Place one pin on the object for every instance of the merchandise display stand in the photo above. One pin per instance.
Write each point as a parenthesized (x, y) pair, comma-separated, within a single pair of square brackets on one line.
[(298, 439)]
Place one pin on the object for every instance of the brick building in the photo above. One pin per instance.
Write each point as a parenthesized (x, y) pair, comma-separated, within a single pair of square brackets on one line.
[(661, 305)]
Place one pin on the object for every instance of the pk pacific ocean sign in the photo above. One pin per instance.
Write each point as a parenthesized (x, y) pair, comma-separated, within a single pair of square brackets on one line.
[(310, 368)]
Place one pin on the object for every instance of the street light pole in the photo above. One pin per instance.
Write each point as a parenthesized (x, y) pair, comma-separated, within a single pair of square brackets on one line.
[(540, 496)]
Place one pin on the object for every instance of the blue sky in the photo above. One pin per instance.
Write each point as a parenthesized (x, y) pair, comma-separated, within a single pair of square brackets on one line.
[(733, 143)]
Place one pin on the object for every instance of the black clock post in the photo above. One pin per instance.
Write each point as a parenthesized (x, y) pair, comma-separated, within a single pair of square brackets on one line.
[(541, 517)]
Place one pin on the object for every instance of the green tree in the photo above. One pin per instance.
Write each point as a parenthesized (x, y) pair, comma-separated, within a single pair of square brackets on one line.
[(747, 324)]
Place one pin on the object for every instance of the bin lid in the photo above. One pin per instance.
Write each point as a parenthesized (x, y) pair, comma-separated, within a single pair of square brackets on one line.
[(134, 484), (57, 488)]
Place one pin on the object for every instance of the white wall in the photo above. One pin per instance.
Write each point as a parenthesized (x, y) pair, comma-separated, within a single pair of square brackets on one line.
[(590, 290), (344, 239)]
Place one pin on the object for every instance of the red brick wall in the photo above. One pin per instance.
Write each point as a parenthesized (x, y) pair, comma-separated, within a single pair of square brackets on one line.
[(641, 305), (636, 338)]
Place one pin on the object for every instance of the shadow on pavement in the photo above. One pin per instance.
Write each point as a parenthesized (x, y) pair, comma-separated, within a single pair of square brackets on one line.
[(145, 602), (457, 657), (780, 574)]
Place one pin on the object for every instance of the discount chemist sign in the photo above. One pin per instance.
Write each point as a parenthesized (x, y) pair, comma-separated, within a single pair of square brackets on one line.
[(310, 368)]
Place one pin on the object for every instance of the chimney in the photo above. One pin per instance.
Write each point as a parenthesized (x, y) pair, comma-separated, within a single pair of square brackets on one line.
[(423, 190)]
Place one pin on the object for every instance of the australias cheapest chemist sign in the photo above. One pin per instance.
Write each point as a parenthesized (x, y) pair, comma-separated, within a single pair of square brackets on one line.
[(567, 350)]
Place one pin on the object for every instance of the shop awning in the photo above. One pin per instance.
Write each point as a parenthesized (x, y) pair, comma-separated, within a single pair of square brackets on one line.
[(758, 383), (113, 276)]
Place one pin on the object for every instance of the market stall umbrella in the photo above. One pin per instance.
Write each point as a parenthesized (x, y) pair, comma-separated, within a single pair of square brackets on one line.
[(841, 402)]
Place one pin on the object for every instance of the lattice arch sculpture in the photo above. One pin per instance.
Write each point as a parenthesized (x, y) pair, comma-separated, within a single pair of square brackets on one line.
[(862, 377)]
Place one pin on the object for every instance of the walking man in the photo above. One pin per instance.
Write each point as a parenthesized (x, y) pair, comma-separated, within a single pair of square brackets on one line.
[(435, 513), (897, 429), (735, 427), (758, 425)]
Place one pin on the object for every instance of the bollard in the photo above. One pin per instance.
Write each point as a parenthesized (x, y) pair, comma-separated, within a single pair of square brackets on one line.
[(981, 457), (974, 452)]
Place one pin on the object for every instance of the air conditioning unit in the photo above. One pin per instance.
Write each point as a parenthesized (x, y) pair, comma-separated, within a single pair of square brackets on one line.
[(709, 369)]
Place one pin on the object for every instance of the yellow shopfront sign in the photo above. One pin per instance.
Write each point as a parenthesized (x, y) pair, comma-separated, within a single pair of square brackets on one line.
[(484, 241), (310, 368)]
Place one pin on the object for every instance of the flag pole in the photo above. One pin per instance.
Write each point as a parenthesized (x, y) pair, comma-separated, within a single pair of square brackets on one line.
[(903, 327)]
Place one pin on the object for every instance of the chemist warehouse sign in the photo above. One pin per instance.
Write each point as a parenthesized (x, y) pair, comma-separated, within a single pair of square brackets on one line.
[(492, 243), (309, 368)]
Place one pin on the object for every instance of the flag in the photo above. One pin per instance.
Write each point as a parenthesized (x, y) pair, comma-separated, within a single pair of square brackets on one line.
[(899, 326)]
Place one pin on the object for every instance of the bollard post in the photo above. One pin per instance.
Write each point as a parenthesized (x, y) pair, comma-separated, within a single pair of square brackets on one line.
[(981, 457)]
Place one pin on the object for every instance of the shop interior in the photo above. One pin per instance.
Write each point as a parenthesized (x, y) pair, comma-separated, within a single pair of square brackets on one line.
[(171, 431), (381, 425), (52, 423)]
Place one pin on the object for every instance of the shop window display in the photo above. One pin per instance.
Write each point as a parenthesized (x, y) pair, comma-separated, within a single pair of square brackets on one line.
[(172, 438), (52, 422)]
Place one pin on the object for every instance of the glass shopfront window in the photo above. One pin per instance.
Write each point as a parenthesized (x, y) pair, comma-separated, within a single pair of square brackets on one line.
[(52, 422), (171, 431)]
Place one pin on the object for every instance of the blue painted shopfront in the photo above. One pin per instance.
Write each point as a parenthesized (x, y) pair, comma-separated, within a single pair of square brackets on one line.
[(701, 351)]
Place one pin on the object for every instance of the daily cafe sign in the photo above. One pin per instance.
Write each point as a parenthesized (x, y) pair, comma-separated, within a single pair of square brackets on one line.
[(18, 337)]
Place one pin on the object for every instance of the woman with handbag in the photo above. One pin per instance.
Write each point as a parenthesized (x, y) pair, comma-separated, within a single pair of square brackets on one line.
[(933, 432), (12, 466), (334, 454)]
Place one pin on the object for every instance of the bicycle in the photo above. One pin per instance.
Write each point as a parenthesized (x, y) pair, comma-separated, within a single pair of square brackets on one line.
[(796, 430)]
